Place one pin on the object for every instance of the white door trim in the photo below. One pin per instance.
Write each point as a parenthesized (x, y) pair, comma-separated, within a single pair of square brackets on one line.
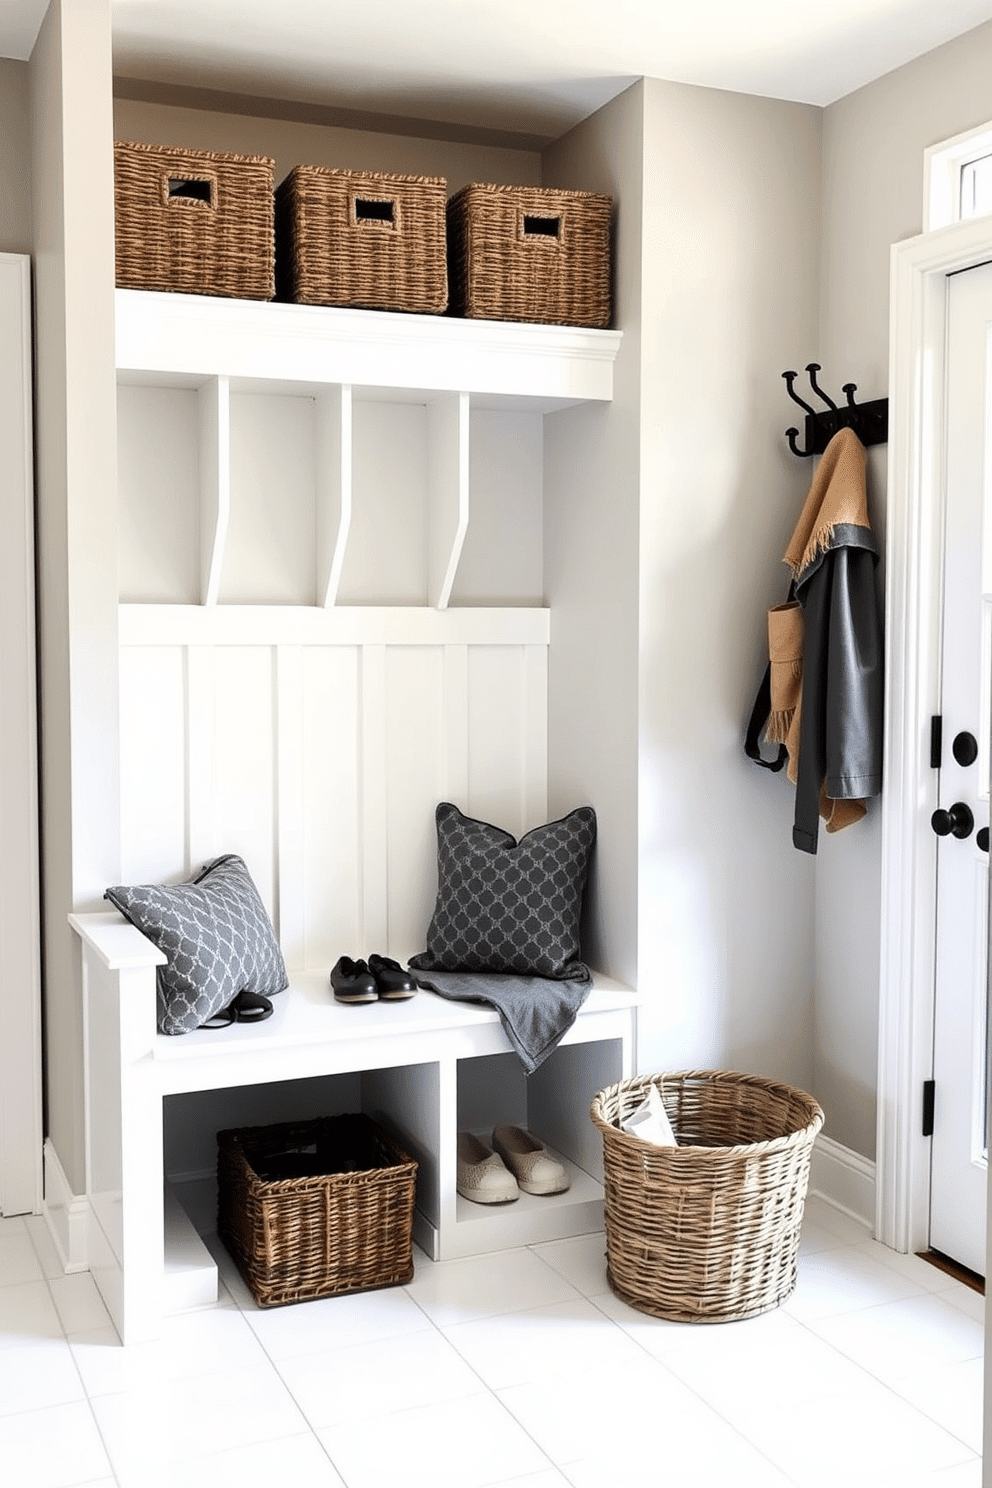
[(20, 934), (914, 562)]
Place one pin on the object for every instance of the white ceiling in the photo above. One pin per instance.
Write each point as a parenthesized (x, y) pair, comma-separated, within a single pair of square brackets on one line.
[(533, 66)]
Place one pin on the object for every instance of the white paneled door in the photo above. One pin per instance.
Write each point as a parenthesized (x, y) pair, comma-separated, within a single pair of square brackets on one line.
[(961, 821)]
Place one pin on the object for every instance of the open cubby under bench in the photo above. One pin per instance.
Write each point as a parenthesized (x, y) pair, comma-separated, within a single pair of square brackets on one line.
[(426, 1066)]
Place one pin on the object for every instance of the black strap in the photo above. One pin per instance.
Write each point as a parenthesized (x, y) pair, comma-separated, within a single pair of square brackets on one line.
[(759, 715), (247, 1007)]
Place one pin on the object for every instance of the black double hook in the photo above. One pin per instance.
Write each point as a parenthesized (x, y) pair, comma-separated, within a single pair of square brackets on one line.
[(870, 421)]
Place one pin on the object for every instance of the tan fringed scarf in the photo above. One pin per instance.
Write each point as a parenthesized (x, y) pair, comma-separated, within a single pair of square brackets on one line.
[(837, 495), (785, 650)]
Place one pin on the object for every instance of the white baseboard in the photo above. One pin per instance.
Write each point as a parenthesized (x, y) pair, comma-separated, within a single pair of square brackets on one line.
[(66, 1214), (843, 1178)]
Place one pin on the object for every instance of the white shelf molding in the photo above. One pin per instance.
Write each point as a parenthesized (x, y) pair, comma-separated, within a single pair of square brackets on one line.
[(345, 625), (448, 494), (176, 339), (334, 488)]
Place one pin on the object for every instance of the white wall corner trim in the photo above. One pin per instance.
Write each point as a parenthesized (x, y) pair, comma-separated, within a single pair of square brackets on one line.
[(66, 1214), (21, 1130), (844, 1179), (914, 560)]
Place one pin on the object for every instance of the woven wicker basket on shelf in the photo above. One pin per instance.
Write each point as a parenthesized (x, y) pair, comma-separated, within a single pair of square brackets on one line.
[(707, 1231), (194, 221), (530, 253), (314, 1233), (361, 238)]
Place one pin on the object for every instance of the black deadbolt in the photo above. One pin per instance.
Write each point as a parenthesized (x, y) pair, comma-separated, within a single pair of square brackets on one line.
[(957, 822), (965, 748)]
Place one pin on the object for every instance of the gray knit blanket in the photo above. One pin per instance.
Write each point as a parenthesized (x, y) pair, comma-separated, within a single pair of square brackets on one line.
[(536, 1012)]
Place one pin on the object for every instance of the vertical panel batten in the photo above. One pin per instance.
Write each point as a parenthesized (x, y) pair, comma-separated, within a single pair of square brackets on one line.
[(534, 734), (215, 482), (373, 844), (289, 825), (335, 442), (448, 493), (455, 725), (201, 828)]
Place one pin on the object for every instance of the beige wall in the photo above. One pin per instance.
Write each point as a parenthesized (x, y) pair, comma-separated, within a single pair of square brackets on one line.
[(731, 236), (684, 527), (592, 483), (15, 158), (873, 144), (292, 144)]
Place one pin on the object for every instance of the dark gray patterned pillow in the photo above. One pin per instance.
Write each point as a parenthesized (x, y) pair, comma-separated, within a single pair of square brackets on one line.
[(508, 906), (217, 935)]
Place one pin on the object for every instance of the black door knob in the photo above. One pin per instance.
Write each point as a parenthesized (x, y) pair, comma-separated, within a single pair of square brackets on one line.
[(983, 838), (958, 822), (965, 748)]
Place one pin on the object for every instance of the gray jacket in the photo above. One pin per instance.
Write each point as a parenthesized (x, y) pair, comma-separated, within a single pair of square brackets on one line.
[(840, 748)]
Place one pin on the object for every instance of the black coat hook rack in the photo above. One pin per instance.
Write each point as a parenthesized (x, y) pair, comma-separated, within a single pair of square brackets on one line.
[(870, 421)]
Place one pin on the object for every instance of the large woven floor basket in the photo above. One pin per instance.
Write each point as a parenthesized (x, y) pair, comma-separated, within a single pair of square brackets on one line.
[(316, 1208), (708, 1231)]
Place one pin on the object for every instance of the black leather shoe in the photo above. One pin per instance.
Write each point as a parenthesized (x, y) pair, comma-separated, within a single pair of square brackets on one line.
[(393, 984), (352, 981)]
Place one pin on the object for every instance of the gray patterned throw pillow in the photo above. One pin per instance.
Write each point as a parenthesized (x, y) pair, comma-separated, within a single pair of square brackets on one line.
[(508, 906), (217, 935)]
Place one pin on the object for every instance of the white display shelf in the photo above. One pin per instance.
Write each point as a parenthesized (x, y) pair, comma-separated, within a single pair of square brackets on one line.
[(176, 338)]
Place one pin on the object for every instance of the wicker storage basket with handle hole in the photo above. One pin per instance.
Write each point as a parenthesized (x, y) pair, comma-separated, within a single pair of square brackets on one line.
[(363, 239), (531, 253), (193, 221)]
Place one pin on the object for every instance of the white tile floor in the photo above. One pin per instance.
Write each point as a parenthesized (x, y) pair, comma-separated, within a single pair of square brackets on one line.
[(520, 1368)]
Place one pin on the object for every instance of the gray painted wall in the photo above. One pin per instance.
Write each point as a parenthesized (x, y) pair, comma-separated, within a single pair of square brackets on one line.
[(873, 144), (291, 143), (15, 158), (675, 553), (731, 192), (591, 524)]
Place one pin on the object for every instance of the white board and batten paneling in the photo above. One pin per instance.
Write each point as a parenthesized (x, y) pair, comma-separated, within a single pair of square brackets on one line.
[(317, 745)]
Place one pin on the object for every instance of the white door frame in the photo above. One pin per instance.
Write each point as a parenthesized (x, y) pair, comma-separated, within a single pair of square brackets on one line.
[(20, 931), (914, 567)]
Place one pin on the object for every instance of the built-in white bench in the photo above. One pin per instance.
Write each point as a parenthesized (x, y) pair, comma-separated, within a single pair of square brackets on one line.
[(422, 1073)]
